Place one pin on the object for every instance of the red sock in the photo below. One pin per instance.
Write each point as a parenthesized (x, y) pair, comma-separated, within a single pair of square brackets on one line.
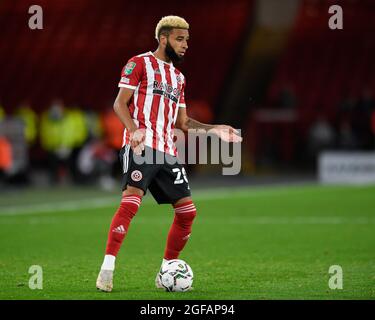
[(120, 223), (180, 230)]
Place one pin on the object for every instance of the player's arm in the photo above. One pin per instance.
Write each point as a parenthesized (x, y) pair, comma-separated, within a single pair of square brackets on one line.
[(225, 132), (121, 108), (131, 76)]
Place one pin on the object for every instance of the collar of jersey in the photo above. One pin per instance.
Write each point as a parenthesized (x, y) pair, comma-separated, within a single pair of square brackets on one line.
[(168, 63)]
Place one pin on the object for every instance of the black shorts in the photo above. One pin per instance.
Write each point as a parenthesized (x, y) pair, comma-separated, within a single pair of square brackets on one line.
[(167, 181)]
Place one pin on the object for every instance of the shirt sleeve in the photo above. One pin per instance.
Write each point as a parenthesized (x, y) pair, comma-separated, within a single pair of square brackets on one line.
[(181, 102), (131, 74)]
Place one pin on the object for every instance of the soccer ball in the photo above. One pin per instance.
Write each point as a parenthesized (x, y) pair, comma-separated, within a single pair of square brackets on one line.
[(176, 276)]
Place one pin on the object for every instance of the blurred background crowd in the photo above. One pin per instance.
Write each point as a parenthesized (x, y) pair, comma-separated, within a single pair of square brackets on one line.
[(61, 144), (272, 68)]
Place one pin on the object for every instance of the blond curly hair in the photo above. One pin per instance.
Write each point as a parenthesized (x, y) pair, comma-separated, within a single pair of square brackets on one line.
[(168, 23)]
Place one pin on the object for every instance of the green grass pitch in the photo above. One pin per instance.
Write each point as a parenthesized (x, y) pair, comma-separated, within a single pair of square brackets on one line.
[(248, 243)]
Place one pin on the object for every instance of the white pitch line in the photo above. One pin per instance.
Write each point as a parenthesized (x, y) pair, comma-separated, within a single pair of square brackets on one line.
[(97, 203), (72, 205), (55, 207), (245, 221), (268, 220), (105, 202)]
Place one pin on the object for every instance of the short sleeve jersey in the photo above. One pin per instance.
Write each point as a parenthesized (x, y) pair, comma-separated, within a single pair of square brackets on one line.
[(158, 94)]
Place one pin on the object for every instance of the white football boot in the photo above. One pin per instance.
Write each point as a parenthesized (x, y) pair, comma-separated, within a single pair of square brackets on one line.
[(105, 280)]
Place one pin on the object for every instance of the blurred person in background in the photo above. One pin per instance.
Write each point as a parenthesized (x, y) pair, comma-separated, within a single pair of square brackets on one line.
[(2, 112), (113, 131), (30, 120), (321, 136), (62, 133), (112, 128), (5, 152), (93, 124), (346, 135), (346, 139), (97, 159), (287, 98), (5, 158), (362, 119), (76, 123), (94, 164), (366, 101), (54, 141)]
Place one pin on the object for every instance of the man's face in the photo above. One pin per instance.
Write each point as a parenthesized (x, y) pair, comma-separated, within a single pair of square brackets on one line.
[(176, 44)]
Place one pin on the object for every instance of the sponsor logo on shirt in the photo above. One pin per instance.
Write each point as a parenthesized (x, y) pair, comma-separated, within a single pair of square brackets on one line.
[(166, 90)]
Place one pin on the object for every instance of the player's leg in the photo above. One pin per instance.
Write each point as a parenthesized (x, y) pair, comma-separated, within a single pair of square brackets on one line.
[(179, 232), (136, 178), (171, 186), (130, 202)]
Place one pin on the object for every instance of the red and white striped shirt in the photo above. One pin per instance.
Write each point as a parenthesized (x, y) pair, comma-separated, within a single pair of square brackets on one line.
[(158, 94)]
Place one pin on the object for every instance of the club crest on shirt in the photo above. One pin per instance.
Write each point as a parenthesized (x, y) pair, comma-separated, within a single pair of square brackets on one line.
[(129, 67), (157, 71), (136, 175)]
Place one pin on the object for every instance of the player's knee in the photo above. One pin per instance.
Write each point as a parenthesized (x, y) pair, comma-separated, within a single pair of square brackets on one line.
[(129, 205), (129, 191), (191, 215), (187, 217)]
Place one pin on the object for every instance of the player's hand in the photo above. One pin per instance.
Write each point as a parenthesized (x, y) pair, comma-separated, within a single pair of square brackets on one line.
[(227, 133), (137, 139)]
